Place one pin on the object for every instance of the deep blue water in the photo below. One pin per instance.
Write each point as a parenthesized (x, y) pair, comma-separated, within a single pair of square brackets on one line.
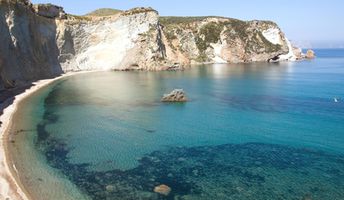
[(249, 131), (329, 53)]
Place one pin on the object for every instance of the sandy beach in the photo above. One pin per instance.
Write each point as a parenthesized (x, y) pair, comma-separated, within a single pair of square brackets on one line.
[(10, 187)]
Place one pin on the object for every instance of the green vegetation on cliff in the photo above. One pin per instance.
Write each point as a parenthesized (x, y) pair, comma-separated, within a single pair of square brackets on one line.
[(269, 47), (204, 34), (244, 35), (104, 12), (139, 10), (179, 20), (78, 17), (211, 32)]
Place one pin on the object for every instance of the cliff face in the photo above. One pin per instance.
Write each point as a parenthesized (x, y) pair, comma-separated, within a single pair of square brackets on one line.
[(106, 43), (223, 40), (139, 39), (42, 41), (28, 49)]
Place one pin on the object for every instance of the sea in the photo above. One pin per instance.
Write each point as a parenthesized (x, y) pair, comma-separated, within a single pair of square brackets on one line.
[(260, 131)]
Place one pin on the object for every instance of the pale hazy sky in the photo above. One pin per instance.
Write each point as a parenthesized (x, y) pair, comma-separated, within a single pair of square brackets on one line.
[(314, 22)]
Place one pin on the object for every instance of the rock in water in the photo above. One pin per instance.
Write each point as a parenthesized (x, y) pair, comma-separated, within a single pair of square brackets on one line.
[(177, 95), (162, 189), (298, 53), (310, 54)]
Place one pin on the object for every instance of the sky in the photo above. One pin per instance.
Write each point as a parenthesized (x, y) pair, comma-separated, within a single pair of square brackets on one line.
[(307, 23)]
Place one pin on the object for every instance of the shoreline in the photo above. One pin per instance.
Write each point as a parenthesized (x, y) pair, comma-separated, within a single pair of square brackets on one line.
[(10, 184)]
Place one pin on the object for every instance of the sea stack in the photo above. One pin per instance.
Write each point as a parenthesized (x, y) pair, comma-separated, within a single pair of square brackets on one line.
[(310, 54)]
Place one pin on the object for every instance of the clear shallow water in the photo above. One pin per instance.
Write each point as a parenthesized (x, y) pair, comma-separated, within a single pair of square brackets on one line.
[(250, 131)]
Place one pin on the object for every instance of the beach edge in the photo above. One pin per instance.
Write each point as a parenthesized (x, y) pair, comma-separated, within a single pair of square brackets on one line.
[(10, 184)]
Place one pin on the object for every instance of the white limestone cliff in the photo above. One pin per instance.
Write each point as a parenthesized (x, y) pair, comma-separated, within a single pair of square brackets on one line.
[(102, 44)]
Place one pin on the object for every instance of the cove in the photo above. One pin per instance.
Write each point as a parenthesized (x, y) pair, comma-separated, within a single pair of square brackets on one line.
[(249, 131)]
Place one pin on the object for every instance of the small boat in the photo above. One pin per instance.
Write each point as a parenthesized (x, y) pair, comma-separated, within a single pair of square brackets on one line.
[(335, 100)]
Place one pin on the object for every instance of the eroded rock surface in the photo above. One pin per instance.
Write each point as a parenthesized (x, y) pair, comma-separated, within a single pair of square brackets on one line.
[(28, 49), (177, 95), (50, 11)]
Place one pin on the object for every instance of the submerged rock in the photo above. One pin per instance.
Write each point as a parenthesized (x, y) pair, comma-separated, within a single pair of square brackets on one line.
[(110, 188), (162, 189), (307, 197), (177, 95)]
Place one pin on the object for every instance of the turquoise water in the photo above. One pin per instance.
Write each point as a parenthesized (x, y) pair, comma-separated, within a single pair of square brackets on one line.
[(249, 131)]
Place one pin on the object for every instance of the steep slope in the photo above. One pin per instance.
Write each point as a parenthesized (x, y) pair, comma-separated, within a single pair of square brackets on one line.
[(28, 49), (139, 39), (218, 39), (106, 43)]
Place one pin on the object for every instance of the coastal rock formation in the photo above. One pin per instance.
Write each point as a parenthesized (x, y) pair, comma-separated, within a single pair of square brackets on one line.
[(28, 49), (298, 53), (310, 54), (162, 189), (118, 42), (42, 41), (177, 95), (192, 40), (50, 11)]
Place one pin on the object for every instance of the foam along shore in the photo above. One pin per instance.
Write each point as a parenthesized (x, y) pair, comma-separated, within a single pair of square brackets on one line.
[(10, 187)]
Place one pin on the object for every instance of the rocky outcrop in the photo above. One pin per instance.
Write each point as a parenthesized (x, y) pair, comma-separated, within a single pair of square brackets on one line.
[(192, 40), (310, 54), (139, 39), (40, 41), (50, 11), (298, 53), (128, 40), (177, 95)]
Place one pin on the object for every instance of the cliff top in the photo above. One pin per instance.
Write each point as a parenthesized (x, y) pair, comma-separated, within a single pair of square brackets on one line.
[(139, 10), (173, 20), (185, 20), (104, 12)]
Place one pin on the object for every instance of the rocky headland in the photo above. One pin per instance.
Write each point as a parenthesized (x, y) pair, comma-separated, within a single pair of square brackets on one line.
[(42, 41)]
